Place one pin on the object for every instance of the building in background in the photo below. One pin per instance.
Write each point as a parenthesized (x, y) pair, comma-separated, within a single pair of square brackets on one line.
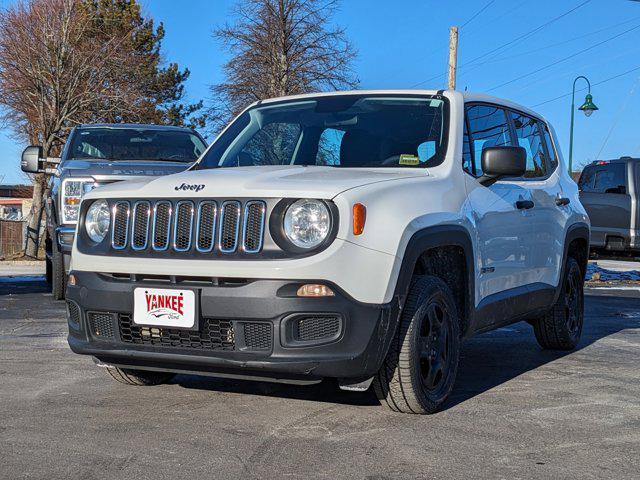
[(15, 201)]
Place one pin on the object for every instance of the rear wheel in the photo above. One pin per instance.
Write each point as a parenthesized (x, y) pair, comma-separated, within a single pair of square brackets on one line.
[(139, 377), (561, 327), (421, 366)]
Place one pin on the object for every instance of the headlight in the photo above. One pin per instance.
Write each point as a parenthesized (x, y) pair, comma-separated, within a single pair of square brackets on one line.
[(307, 223), (97, 220), (72, 192)]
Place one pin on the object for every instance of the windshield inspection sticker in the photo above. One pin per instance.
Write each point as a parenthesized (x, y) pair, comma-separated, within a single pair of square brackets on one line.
[(406, 159)]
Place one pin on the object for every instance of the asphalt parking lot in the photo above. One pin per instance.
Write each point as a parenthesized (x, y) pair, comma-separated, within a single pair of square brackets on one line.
[(516, 412)]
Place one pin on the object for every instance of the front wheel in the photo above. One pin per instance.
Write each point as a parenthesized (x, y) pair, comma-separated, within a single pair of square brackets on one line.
[(561, 327), (421, 366)]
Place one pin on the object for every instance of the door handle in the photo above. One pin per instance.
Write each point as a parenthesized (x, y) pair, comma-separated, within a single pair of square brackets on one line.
[(562, 201), (524, 204)]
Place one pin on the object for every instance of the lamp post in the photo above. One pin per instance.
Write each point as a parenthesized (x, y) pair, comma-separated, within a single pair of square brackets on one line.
[(588, 107)]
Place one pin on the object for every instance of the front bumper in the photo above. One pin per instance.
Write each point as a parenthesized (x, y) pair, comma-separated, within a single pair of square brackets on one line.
[(355, 351)]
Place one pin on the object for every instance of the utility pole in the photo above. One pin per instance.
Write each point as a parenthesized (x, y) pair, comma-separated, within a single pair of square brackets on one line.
[(453, 57)]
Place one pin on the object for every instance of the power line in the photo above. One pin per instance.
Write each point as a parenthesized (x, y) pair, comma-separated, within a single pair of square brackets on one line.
[(512, 42), (538, 70), (564, 42), (477, 13), (559, 97), (618, 116)]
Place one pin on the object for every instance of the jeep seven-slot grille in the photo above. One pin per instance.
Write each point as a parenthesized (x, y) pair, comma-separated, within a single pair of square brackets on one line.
[(226, 226)]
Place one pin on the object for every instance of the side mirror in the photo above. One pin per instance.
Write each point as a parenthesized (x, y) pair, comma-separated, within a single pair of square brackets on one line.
[(31, 158), (499, 162)]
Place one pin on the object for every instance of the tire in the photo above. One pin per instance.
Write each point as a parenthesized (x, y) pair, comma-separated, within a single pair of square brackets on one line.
[(48, 270), (58, 276), (139, 378), (419, 371), (561, 327)]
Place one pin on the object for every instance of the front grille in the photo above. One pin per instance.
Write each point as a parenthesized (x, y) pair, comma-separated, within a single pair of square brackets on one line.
[(120, 231), (140, 227), (229, 225), (101, 324), (307, 329), (183, 226), (214, 335), (257, 336), (73, 311)]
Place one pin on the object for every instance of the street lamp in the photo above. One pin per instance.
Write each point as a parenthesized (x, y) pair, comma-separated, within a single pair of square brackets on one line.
[(588, 107)]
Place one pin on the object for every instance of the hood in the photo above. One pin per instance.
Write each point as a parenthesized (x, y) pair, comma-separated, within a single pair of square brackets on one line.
[(111, 169), (259, 182)]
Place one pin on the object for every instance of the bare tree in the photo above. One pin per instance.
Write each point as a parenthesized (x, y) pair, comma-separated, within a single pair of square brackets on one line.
[(56, 71), (282, 47)]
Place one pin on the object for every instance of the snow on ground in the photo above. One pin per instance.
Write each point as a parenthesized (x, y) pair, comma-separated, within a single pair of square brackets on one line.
[(614, 273)]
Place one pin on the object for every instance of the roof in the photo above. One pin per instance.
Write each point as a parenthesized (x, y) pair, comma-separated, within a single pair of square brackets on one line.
[(16, 191), (467, 96), (616, 160), (145, 126)]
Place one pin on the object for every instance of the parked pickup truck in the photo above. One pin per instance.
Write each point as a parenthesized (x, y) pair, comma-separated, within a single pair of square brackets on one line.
[(96, 155), (360, 236), (609, 193)]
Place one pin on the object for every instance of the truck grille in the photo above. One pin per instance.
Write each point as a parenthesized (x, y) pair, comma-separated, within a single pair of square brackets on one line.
[(188, 225)]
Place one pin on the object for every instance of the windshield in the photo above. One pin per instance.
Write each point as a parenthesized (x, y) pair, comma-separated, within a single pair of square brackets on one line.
[(348, 131), (135, 144)]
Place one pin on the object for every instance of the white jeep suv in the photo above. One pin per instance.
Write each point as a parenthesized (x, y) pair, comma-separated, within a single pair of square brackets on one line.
[(355, 235)]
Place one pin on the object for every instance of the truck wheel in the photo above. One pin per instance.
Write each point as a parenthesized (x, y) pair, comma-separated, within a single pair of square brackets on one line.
[(58, 277), (139, 377), (48, 270), (421, 365), (561, 327)]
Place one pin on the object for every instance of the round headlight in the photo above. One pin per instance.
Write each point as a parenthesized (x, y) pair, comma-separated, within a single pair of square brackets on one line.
[(307, 223), (97, 220)]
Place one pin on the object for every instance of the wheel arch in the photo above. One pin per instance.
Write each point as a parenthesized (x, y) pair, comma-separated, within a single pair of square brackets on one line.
[(430, 251), (576, 245)]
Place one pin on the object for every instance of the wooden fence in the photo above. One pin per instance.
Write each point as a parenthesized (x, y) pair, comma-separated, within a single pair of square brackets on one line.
[(11, 237)]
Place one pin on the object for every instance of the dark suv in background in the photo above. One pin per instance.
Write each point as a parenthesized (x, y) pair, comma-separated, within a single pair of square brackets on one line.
[(96, 155), (609, 193)]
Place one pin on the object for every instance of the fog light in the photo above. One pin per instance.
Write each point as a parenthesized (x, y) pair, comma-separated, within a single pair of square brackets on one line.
[(315, 290), (71, 280)]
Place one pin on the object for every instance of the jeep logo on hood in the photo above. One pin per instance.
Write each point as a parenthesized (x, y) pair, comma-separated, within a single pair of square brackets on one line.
[(186, 186)]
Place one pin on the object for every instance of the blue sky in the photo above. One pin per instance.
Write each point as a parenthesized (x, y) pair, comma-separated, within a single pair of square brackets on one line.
[(402, 43)]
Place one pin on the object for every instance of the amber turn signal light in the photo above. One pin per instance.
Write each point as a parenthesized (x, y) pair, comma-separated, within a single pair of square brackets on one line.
[(359, 218), (315, 290)]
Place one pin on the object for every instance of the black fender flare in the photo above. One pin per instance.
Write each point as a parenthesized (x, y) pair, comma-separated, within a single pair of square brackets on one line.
[(434, 237), (577, 231)]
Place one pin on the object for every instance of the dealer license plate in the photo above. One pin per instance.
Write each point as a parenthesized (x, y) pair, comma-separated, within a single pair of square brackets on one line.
[(162, 307)]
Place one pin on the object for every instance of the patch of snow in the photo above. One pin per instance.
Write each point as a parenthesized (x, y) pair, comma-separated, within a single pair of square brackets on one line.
[(595, 272)]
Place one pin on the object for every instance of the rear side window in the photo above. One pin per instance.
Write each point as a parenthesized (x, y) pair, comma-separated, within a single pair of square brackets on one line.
[(609, 178), (488, 127), (530, 137)]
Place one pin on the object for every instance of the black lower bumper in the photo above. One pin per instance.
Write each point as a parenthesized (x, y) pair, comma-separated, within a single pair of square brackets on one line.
[(305, 338)]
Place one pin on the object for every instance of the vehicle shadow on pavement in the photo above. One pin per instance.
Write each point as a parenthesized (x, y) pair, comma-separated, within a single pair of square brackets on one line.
[(488, 360)]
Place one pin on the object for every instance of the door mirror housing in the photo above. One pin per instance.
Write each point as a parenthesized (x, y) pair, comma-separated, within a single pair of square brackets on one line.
[(32, 159), (500, 162)]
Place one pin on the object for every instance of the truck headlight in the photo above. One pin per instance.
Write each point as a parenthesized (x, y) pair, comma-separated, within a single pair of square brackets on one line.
[(97, 220), (307, 223), (72, 192)]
